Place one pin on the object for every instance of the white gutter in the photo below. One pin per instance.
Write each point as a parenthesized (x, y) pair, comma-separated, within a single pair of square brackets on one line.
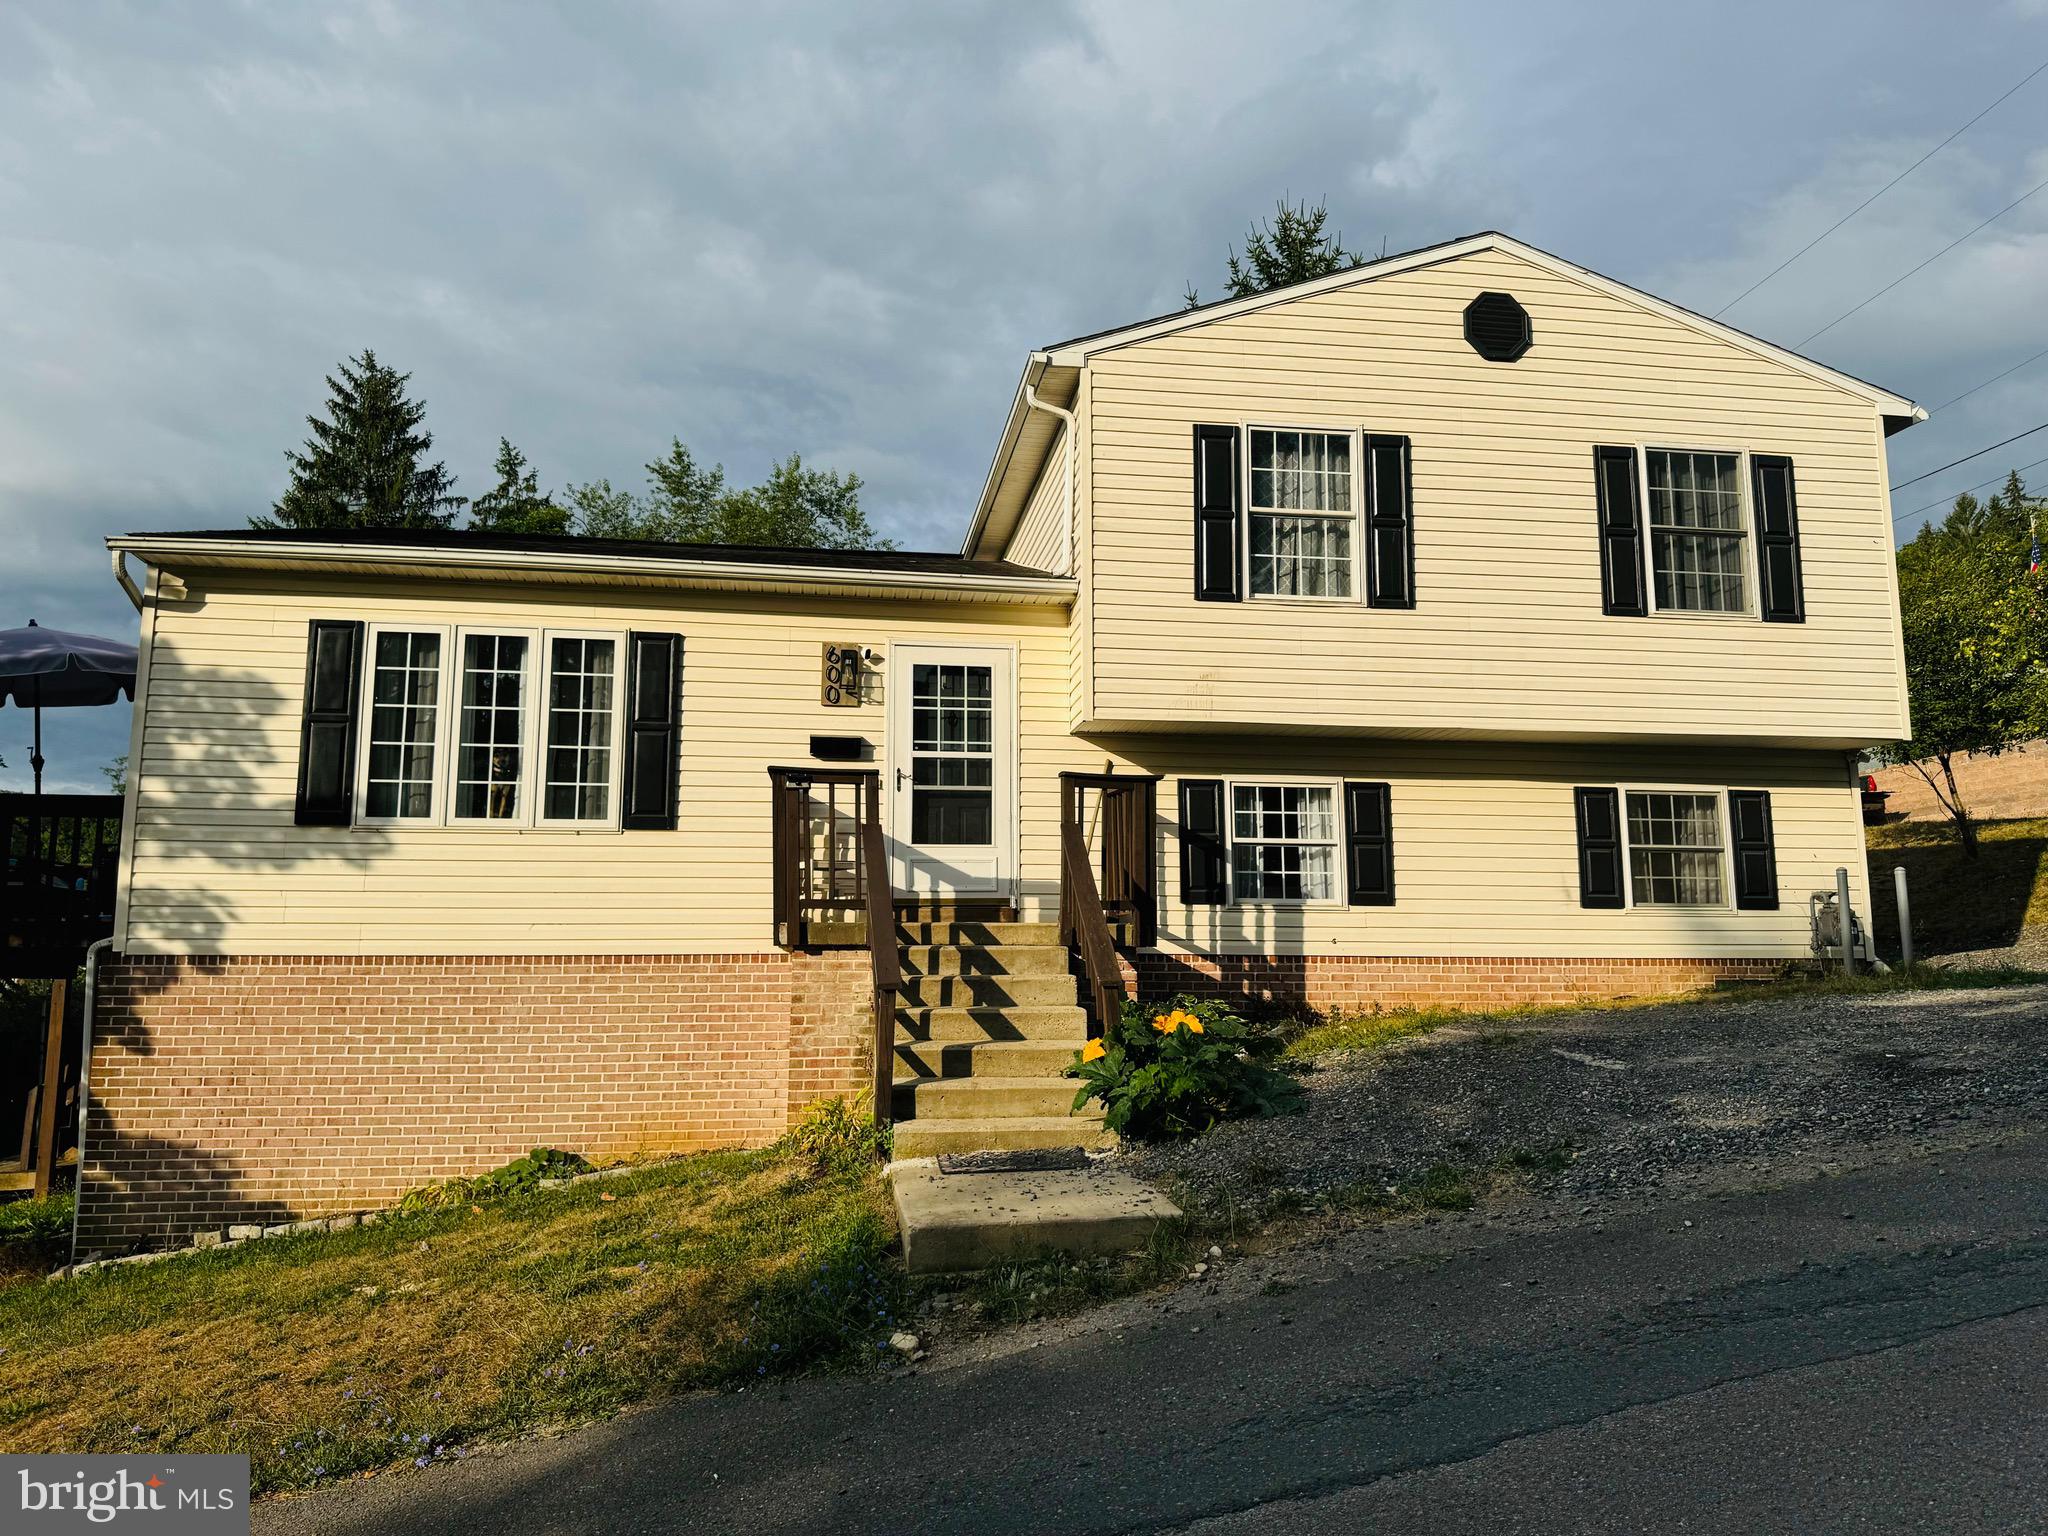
[(172, 551), (127, 582), (1031, 399)]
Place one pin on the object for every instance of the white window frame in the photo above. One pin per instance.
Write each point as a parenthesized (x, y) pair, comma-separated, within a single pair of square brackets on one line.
[(1356, 434), (1337, 896), (1751, 611), (366, 714), (526, 726), (616, 783), (447, 728), (1719, 795)]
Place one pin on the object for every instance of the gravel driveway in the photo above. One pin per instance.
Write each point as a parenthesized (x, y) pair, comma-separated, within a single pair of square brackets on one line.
[(1645, 1096)]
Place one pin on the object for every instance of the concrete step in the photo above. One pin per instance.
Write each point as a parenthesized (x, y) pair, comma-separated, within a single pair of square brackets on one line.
[(921, 1099), (985, 1058), (945, 1024), (955, 1221), (977, 933), (977, 960), (928, 1138), (987, 991), (954, 910)]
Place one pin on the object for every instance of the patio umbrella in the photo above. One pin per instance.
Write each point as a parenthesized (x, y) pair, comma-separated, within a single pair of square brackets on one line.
[(40, 667)]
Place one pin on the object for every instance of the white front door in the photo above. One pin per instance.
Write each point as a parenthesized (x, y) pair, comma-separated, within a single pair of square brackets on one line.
[(952, 805)]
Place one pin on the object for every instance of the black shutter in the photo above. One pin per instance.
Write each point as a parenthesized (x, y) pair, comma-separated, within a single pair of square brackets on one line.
[(1783, 598), (1204, 866), (1369, 846), (1756, 854), (1218, 525), (653, 731), (1621, 532), (327, 728), (1390, 523), (1600, 848)]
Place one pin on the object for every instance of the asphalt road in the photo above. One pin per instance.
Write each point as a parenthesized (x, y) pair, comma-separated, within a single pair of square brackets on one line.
[(1849, 1353)]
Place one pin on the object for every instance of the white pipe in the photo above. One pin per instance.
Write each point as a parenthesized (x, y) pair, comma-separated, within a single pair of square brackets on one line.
[(93, 951), (1031, 399), (127, 582)]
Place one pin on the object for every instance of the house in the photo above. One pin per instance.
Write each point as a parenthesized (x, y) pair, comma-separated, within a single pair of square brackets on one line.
[(1463, 628)]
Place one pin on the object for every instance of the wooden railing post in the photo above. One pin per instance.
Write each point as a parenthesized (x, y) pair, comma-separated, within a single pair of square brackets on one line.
[(884, 961), (47, 1106)]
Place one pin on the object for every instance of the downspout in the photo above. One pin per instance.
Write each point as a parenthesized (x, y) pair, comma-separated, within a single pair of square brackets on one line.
[(1031, 399), (127, 582), (93, 952)]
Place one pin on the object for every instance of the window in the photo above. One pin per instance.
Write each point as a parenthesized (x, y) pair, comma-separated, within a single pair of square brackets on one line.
[(1698, 531), (1283, 842), (531, 735), (582, 713), (491, 739), (1301, 513), (405, 721), (952, 754), (1676, 855)]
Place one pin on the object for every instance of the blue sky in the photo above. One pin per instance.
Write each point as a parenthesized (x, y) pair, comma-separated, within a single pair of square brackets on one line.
[(837, 229)]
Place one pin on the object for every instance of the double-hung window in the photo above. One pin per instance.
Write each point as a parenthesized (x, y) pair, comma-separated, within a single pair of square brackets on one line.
[(1699, 531), (1677, 848), (488, 726), (1283, 842), (1303, 522)]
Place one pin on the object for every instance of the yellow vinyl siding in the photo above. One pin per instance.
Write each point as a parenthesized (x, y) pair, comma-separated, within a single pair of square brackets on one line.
[(1485, 851), (1041, 537), (1507, 639)]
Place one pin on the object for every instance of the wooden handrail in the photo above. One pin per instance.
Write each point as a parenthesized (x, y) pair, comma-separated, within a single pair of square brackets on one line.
[(821, 875), (1084, 925), (1128, 807)]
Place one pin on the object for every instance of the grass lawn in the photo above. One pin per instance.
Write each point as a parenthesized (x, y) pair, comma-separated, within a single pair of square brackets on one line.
[(333, 1353), (1961, 904)]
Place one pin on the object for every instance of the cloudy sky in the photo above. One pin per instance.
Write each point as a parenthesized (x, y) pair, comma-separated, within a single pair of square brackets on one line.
[(837, 228)]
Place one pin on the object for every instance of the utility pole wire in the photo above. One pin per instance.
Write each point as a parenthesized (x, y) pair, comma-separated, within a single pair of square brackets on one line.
[(1880, 192), (1952, 463), (1950, 500), (1888, 287), (2015, 368)]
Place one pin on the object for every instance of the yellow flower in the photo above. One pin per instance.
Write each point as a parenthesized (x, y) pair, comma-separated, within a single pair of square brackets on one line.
[(1165, 1023), (1094, 1050), (1194, 1025)]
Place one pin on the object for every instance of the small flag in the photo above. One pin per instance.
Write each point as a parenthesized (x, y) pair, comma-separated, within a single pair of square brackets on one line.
[(2034, 564)]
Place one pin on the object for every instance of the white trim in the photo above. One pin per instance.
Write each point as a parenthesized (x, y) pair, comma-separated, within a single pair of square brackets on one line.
[(1752, 598), (1356, 436), (1006, 801), (616, 785), (437, 789), (131, 800), (529, 689), (1719, 794), (1339, 896), (172, 550)]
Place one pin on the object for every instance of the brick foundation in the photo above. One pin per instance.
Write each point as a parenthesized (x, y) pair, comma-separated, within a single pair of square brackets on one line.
[(1363, 983), (269, 1089)]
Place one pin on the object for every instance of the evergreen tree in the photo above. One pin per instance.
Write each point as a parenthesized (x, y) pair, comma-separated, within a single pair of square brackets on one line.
[(365, 466), (516, 504), (1290, 249)]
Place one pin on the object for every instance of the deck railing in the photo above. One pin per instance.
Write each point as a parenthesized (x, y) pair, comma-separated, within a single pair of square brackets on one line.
[(1112, 893), (832, 887), (59, 859)]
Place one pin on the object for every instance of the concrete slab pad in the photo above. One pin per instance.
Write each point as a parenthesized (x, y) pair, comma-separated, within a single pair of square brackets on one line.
[(956, 1221)]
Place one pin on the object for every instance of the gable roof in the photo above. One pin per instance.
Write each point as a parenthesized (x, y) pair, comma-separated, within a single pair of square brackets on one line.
[(1063, 359)]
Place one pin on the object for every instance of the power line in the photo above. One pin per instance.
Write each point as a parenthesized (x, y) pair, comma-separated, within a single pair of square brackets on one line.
[(1950, 500), (2015, 368), (1888, 287), (1969, 456), (1880, 192)]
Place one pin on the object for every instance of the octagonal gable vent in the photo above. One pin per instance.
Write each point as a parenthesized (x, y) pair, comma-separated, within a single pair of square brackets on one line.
[(1497, 327)]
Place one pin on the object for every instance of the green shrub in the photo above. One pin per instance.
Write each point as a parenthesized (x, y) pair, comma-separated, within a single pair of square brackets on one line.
[(36, 1221), (518, 1177), (1176, 1071), (837, 1134)]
